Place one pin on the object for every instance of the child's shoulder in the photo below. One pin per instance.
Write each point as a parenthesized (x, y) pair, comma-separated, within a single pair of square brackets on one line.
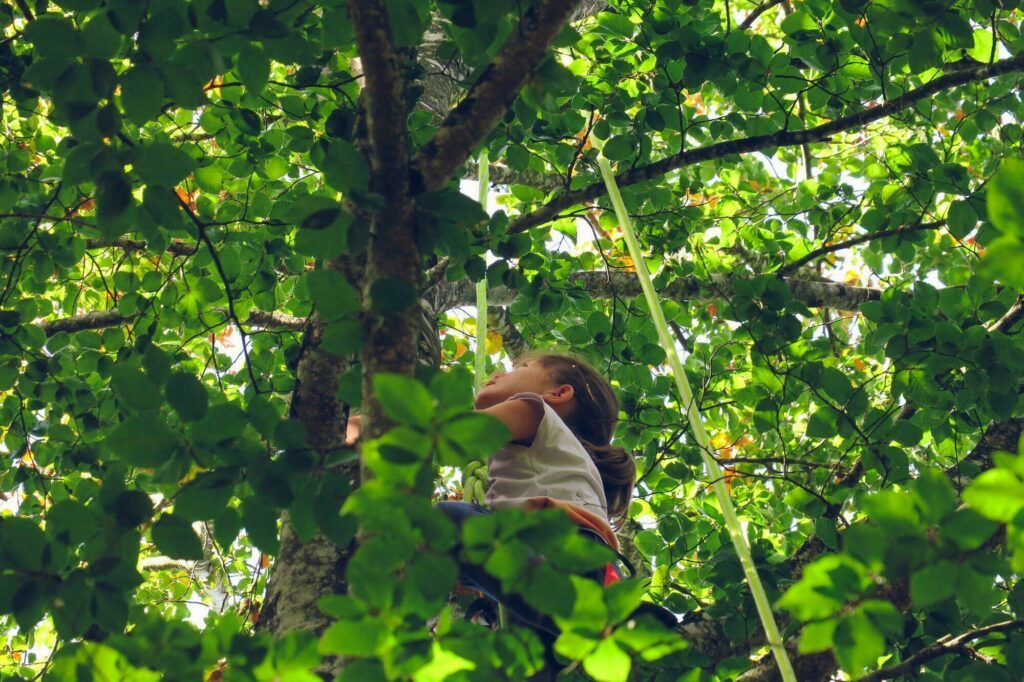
[(522, 414)]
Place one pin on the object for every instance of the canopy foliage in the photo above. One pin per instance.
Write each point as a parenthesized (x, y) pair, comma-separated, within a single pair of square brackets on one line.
[(224, 223)]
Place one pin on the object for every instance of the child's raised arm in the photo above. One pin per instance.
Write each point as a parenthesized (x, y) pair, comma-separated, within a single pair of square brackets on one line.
[(522, 417)]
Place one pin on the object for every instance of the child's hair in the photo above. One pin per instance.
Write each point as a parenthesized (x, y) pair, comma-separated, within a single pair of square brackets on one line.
[(593, 423)]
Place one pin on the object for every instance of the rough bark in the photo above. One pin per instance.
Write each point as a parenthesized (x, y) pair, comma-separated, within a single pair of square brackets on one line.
[(944, 647), (604, 284), (101, 319), (494, 91), (783, 138), (302, 573), (393, 257), (758, 11), (448, 295), (445, 80), (499, 320), (501, 174)]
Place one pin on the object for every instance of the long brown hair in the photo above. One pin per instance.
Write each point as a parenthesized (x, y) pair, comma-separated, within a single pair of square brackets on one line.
[(593, 422)]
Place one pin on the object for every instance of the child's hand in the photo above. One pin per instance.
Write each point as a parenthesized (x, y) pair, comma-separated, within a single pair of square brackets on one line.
[(352, 429)]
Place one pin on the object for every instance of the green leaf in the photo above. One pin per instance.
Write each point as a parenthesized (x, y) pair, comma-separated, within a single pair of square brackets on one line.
[(403, 399), (354, 638), (113, 195), (343, 338), (101, 39), (131, 508), (333, 296), (344, 167), (135, 389), (968, 529), (316, 212), (608, 663), (961, 219), (187, 395), (1004, 260), (798, 24), (996, 494), (471, 437), (1005, 198), (906, 433), (827, 584), (982, 50), (162, 163), (222, 423), (933, 584), (253, 67), (53, 36), (142, 93), (142, 441), (205, 496), (260, 522), (935, 494), (836, 384), (175, 537), (71, 617), (622, 598), (619, 148), (858, 643), (551, 591), (822, 424), (408, 20), (817, 636), (23, 544), (209, 178)]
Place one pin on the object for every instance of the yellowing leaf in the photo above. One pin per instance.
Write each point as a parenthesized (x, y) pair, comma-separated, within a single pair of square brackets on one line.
[(494, 342), (720, 440)]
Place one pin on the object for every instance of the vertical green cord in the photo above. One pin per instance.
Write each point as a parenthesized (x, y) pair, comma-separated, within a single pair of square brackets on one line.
[(480, 358), (480, 367), (700, 434)]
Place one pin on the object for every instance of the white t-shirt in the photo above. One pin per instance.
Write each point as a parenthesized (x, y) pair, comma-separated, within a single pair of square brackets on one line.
[(554, 465)]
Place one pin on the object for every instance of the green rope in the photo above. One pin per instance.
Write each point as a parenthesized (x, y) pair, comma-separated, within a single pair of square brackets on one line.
[(700, 434), (480, 359), (481, 287), (474, 476)]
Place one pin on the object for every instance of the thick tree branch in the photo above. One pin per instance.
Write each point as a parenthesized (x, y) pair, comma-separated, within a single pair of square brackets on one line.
[(392, 256), (102, 319), (945, 645), (498, 320), (1014, 315), (494, 91), (871, 236), (383, 90), (758, 11), (176, 247), (163, 563), (603, 284), (501, 174), (783, 138)]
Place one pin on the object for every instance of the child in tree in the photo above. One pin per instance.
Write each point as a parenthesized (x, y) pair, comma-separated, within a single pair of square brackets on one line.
[(561, 415)]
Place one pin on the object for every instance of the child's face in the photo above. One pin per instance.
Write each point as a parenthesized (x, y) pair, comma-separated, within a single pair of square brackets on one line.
[(529, 376)]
